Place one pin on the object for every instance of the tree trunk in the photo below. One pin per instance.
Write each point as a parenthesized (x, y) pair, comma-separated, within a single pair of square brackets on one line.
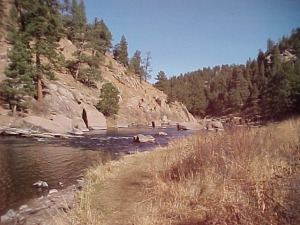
[(77, 72), (14, 110), (39, 89), (39, 78), (79, 57)]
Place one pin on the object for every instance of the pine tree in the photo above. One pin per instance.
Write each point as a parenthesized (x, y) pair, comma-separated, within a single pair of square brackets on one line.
[(121, 53), (76, 22), (98, 38), (109, 100), (105, 36), (2, 16), (147, 66), (253, 109), (40, 22), (135, 65), (19, 86), (77, 33), (196, 94), (238, 89), (162, 82)]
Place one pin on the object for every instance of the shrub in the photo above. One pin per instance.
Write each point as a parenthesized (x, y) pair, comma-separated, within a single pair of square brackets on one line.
[(109, 103)]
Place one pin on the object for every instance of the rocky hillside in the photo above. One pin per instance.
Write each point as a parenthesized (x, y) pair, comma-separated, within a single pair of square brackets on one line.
[(140, 103), (68, 103)]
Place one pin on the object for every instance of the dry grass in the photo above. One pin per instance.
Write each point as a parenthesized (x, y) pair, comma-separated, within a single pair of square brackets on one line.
[(236, 177)]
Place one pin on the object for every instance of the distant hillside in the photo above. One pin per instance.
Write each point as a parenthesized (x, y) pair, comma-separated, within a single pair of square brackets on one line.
[(267, 87)]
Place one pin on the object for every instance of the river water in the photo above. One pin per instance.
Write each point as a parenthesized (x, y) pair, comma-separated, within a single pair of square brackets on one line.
[(24, 161)]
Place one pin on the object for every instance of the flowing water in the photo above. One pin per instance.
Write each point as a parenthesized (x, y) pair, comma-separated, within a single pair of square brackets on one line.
[(24, 161)]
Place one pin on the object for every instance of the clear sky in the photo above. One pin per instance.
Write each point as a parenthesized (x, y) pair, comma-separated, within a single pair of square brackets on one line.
[(187, 35)]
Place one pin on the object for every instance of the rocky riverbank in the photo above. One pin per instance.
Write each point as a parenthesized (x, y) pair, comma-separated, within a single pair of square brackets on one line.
[(46, 209)]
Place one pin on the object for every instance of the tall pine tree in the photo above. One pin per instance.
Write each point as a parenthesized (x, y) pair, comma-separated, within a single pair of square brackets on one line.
[(40, 22), (18, 88), (121, 52)]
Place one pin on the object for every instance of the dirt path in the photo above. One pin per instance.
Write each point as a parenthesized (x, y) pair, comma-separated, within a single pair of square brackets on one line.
[(120, 196)]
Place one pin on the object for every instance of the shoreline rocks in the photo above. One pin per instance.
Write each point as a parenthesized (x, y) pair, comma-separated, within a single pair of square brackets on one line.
[(42, 210), (32, 133)]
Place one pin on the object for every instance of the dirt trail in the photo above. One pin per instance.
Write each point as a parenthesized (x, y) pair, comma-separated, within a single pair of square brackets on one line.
[(121, 195)]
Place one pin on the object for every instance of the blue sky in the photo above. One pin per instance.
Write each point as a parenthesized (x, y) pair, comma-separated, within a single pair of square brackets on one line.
[(187, 35)]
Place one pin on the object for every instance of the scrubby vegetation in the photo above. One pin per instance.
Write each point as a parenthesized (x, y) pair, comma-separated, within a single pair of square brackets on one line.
[(234, 177)]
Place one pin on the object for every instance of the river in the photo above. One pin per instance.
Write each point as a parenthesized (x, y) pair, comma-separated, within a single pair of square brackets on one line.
[(24, 161)]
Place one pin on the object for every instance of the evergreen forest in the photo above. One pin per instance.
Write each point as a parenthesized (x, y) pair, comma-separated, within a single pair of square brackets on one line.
[(265, 88)]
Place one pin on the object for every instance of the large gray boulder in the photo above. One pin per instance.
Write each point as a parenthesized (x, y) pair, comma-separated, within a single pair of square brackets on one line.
[(143, 138), (40, 124), (94, 119), (189, 126), (78, 123), (8, 216), (62, 121), (215, 125)]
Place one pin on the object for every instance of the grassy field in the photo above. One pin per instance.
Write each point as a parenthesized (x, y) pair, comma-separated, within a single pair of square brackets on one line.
[(241, 176)]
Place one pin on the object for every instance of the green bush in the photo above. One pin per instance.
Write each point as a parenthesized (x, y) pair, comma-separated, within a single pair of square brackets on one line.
[(109, 103)]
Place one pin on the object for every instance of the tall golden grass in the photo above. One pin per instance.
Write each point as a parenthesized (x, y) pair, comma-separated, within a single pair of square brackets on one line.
[(241, 176)]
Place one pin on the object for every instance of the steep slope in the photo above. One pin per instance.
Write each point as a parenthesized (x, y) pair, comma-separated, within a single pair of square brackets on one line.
[(140, 103)]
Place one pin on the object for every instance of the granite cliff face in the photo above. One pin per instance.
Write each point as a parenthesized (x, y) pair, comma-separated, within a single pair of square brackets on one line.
[(74, 103)]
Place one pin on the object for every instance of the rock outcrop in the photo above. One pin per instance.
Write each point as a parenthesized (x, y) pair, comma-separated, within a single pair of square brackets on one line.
[(40, 124)]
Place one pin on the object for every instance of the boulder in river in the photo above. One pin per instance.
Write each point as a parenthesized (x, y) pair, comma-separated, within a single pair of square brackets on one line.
[(143, 138), (189, 126), (41, 184), (161, 133)]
